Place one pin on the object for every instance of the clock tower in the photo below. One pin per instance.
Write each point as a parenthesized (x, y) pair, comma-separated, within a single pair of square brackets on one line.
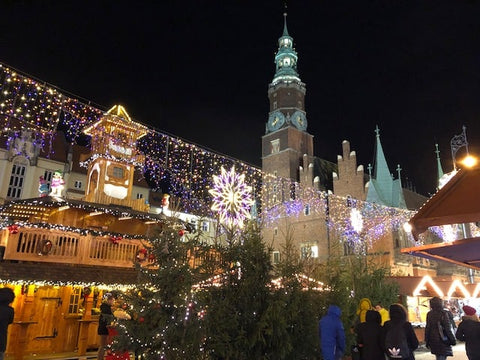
[(286, 140)]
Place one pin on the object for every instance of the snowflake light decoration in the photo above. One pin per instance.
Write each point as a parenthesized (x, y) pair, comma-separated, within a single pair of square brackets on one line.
[(231, 198)]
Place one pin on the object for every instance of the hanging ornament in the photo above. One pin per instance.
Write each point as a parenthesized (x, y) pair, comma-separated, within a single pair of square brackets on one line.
[(13, 229), (141, 319), (142, 255), (115, 239), (181, 232)]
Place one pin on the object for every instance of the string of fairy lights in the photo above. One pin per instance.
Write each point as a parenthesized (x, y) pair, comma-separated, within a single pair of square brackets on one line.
[(185, 169), (181, 168)]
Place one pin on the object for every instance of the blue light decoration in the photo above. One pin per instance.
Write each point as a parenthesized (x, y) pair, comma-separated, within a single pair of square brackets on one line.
[(171, 165)]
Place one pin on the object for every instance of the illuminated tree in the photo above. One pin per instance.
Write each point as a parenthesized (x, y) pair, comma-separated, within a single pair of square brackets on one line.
[(164, 322)]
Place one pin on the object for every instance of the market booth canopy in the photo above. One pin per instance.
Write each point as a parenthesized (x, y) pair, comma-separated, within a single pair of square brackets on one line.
[(458, 202)]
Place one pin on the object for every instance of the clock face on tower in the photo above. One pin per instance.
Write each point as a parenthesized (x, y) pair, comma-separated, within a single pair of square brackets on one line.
[(275, 120), (299, 120)]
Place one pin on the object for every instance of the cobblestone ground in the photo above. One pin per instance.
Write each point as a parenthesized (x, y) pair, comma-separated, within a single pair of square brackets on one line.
[(458, 353)]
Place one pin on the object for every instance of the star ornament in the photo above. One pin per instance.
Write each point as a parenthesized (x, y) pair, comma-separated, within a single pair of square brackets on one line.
[(232, 198)]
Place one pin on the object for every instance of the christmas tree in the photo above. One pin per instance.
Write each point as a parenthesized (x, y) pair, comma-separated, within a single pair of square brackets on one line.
[(164, 322)]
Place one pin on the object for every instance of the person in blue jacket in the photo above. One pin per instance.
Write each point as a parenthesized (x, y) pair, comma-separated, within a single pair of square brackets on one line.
[(332, 334)]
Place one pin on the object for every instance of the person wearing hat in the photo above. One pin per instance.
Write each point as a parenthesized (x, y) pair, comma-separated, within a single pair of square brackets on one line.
[(6, 316), (469, 331)]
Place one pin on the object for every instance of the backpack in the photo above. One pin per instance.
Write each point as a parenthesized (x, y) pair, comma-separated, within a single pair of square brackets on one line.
[(396, 345)]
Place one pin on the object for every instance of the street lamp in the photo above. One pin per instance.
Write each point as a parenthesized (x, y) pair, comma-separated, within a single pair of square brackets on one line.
[(469, 161)]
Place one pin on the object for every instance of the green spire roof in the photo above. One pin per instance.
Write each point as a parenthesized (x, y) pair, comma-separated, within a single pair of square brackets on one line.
[(383, 189), (286, 58), (439, 164)]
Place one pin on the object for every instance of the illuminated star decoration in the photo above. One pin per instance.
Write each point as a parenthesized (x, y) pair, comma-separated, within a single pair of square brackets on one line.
[(231, 198)]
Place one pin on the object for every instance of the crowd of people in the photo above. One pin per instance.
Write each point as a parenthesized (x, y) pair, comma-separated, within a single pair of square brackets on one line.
[(382, 334)]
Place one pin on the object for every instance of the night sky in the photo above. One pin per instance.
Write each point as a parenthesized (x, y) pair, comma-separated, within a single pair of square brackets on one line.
[(200, 69)]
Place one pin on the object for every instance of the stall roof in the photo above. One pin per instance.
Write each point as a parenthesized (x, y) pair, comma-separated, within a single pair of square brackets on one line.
[(457, 202)]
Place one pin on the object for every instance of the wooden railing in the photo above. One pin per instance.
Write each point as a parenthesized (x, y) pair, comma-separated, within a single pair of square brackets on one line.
[(47, 245)]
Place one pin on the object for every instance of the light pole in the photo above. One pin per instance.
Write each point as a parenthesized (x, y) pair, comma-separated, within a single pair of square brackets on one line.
[(469, 161)]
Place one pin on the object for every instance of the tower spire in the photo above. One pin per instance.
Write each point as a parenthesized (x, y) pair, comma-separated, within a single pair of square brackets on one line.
[(286, 58), (285, 30), (439, 164)]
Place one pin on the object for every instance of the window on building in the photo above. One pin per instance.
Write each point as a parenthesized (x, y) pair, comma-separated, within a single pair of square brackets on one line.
[(275, 146), (348, 248), (78, 184), (275, 105), (74, 301), (205, 226), (139, 196), (117, 172), (47, 176), (308, 251), (306, 209), (275, 231), (194, 224), (275, 257), (17, 178)]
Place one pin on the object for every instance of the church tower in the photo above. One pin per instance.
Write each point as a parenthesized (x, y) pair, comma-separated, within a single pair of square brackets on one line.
[(286, 145)]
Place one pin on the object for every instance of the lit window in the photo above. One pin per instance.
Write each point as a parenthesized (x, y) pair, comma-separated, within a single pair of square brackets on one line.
[(308, 251), (17, 178), (275, 146), (78, 184)]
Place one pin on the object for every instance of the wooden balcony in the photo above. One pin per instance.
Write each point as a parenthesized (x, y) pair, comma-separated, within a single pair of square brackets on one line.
[(56, 246)]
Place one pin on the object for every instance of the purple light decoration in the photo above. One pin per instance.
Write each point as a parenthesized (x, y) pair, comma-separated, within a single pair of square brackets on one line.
[(231, 198)]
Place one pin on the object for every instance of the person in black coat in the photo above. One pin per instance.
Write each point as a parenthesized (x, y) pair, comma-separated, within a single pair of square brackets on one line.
[(6, 317), (369, 337), (398, 316), (433, 340), (469, 331), (106, 317)]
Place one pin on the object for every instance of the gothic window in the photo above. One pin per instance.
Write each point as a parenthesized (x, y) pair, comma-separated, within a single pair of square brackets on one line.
[(275, 146), (275, 105), (17, 179), (78, 184)]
